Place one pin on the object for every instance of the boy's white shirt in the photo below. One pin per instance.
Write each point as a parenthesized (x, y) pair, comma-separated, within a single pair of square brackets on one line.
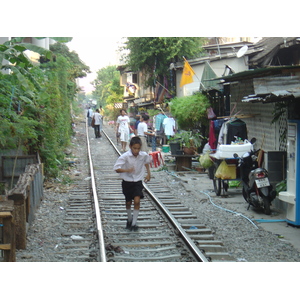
[(127, 160)]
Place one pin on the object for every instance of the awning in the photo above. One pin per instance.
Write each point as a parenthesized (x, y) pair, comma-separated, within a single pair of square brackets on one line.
[(206, 81), (142, 102), (139, 100), (276, 96)]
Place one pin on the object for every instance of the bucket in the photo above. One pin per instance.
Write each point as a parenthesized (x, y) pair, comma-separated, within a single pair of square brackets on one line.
[(165, 148)]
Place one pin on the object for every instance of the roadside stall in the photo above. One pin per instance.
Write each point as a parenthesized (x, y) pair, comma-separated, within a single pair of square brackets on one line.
[(224, 168), (228, 136)]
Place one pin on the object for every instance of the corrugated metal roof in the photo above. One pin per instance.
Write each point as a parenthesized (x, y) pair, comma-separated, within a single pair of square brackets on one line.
[(257, 73), (275, 96), (267, 47), (266, 85)]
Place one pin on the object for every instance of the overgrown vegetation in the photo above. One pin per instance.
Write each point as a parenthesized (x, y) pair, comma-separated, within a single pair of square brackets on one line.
[(190, 111), (36, 100)]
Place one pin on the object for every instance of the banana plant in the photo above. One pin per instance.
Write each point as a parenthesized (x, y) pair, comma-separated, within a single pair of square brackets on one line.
[(17, 62)]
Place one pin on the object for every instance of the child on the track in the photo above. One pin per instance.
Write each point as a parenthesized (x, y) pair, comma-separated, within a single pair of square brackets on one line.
[(142, 131), (131, 167)]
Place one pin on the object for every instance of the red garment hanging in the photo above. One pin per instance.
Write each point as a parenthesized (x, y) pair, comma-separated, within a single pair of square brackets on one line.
[(212, 137)]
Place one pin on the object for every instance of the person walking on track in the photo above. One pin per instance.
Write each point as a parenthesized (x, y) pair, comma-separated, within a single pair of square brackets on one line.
[(97, 118), (90, 114), (131, 166), (123, 128)]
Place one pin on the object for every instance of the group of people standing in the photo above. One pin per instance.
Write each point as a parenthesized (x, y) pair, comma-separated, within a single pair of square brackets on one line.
[(124, 130)]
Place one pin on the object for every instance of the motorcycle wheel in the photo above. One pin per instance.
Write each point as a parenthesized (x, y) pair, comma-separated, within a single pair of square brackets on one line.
[(216, 181), (245, 195), (211, 172), (267, 209)]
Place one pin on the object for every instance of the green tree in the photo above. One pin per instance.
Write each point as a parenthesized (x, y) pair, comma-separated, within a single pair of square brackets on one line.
[(77, 69), (107, 86), (153, 55)]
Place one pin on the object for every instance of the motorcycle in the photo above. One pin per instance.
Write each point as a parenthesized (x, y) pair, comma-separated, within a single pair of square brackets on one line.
[(257, 190)]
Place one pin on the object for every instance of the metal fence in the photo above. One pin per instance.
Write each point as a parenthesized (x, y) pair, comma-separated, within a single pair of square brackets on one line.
[(13, 166), (27, 191), (36, 192)]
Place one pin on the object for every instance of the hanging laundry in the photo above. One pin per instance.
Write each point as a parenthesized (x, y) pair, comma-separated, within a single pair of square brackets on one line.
[(158, 123), (223, 133), (217, 125), (212, 141), (231, 129), (169, 126), (236, 128)]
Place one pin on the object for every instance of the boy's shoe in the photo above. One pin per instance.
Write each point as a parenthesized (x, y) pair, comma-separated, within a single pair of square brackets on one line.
[(134, 228), (128, 224)]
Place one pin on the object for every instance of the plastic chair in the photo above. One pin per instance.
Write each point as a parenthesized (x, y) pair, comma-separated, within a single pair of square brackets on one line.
[(157, 159)]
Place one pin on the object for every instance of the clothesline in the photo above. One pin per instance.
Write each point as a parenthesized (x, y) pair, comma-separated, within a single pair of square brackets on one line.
[(242, 116), (163, 87), (162, 111)]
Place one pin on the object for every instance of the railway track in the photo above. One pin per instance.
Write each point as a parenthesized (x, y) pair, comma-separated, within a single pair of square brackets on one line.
[(156, 240), (168, 231), (89, 223), (78, 241)]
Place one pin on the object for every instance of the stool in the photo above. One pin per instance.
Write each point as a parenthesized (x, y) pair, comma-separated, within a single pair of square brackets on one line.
[(156, 159)]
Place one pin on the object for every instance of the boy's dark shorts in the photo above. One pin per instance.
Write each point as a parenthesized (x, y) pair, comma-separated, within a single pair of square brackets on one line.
[(132, 189)]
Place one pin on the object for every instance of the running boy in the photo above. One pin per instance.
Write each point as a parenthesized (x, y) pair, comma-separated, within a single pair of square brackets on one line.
[(131, 167)]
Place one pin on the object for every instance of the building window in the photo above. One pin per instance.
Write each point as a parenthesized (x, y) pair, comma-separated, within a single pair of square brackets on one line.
[(134, 78)]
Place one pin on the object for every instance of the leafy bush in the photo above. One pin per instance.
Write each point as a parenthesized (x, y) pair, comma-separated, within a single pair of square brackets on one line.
[(190, 111)]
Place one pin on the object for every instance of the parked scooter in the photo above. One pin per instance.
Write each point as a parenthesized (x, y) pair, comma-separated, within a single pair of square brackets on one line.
[(257, 190)]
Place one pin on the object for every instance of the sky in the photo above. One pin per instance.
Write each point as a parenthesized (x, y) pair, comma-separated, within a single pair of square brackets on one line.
[(97, 53)]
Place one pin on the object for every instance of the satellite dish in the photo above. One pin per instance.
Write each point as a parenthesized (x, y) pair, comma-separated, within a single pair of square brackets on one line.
[(242, 51)]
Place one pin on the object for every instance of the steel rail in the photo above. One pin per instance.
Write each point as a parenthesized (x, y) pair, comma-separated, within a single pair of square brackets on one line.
[(196, 251), (191, 245), (102, 252)]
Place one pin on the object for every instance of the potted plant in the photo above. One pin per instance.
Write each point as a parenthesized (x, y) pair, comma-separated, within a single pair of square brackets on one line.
[(189, 141), (175, 146)]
